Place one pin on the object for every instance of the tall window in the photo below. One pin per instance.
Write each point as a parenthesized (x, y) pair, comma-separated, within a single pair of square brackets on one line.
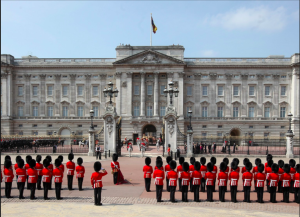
[(20, 111), (34, 90), (283, 91), (95, 90), (235, 112), (189, 91), (235, 90), (80, 90), (220, 90), (136, 111), (251, 91), (162, 110), (162, 88), (20, 91), (204, 90), (50, 111), (267, 90), (204, 111), (80, 111), (187, 110), (149, 111), (35, 111), (282, 112), (251, 112), (267, 112), (220, 112), (149, 90), (96, 111), (50, 90), (136, 90), (65, 111), (65, 90)]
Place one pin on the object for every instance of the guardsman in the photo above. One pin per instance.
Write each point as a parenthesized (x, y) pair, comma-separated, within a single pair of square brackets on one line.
[(115, 167), (32, 178), (273, 182), (245, 161), (16, 167), (179, 171), (191, 170), (169, 150), (39, 168), (280, 173), (222, 178), (203, 170), (196, 179), (50, 167), (28, 159), (80, 170), (213, 160), (46, 178), (70, 171), (21, 174), (96, 181), (167, 169), (297, 184), (210, 179), (172, 177), (62, 167), (269, 157), (159, 158), (247, 181), (58, 178), (286, 182), (7, 157), (159, 176), (237, 168), (292, 163), (255, 171), (268, 172), (260, 182), (148, 170), (185, 179), (8, 176), (226, 161)]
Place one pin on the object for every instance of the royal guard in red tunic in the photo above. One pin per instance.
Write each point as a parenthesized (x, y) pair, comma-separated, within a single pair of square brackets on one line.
[(28, 159), (280, 173), (260, 182), (179, 171), (62, 167), (185, 181), (245, 161), (203, 170), (292, 163), (255, 171), (297, 184), (32, 178), (269, 157), (7, 157), (16, 167), (21, 174), (213, 160), (226, 161), (222, 178), (46, 178), (172, 177), (273, 182), (70, 171), (58, 178), (210, 179), (50, 167), (268, 171), (39, 168), (167, 169), (116, 170), (159, 176), (191, 170), (286, 182), (237, 165), (80, 170), (96, 181), (8, 178), (169, 150), (196, 179), (247, 181), (159, 158), (148, 170)]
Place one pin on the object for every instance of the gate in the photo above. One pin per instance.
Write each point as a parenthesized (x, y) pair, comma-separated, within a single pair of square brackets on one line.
[(181, 138), (118, 137)]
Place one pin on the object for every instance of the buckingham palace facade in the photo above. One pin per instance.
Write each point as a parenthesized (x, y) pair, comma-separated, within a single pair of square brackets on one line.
[(235, 96)]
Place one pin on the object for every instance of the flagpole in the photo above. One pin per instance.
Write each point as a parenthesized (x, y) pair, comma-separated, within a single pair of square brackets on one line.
[(151, 30)]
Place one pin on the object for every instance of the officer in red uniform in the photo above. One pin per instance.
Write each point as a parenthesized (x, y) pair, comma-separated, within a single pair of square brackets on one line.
[(260, 181), (115, 166), (245, 161), (39, 168), (62, 167), (159, 158), (273, 182), (280, 173), (32, 178), (28, 159), (50, 167), (179, 171), (196, 179), (21, 174), (169, 150), (222, 178), (210, 179), (80, 170), (237, 165), (70, 171), (255, 171), (297, 184), (203, 171), (58, 178), (213, 160), (286, 182), (292, 163), (172, 177), (96, 181), (226, 161), (8, 175), (191, 170), (167, 169), (16, 167), (247, 180), (269, 157), (185, 179), (159, 177), (268, 172), (148, 170), (46, 178)]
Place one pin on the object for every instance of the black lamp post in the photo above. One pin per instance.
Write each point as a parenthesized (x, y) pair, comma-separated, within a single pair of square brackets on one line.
[(92, 116), (171, 91), (190, 112), (110, 92), (290, 115)]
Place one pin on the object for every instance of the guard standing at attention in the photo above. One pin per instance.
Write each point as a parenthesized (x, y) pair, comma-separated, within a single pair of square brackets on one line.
[(21, 173), (172, 177), (58, 178), (179, 171), (167, 169), (148, 170), (159, 176), (185, 178), (96, 181), (222, 178), (46, 178), (39, 168), (247, 180), (210, 179), (196, 176), (260, 181), (70, 171), (32, 178), (233, 180), (203, 170), (80, 173), (8, 176)]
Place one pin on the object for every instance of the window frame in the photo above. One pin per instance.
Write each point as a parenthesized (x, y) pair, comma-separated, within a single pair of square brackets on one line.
[(48, 90)]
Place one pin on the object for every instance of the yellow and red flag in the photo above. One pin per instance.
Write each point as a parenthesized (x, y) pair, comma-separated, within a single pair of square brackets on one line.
[(154, 28)]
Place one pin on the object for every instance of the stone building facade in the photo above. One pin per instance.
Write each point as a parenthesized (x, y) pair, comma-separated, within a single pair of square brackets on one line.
[(233, 96)]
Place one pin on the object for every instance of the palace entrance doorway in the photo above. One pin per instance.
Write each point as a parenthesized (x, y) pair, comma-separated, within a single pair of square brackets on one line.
[(149, 132)]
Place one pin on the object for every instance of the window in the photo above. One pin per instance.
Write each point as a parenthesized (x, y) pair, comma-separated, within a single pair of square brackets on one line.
[(283, 76), (149, 90), (187, 110), (35, 125), (282, 127), (203, 126), (250, 127), (266, 136), (162, 110), (65, 90), (136, 111), (21, 133), (49, 76), (204, 90), (282, 135), (35, 133), (251, 134), (220, 126), (80, 111), (149, 111), (50, 111), (96, 111), (20, 125), (163, 76), (50, 90), (220, 90), (189, 91), (80, 125), (283, 91), (20, 111), (80, 76), (150, 76), (204, 111), (64, 76), (204, 76), (136, 90), (34, 111), (235, 90), (282, 112), (20, 91), (49, 125), (268, 76), (49, 133), (220, 112), (34, 90), (95, 90), (80, 90), (20, 76), (235, 112), (219, 134), (252, 76), (251, 91), (204, 135), (220, 76), (251, 112), (236, 76), (267, 112), (95, 76), (162, 88), (65, 111), (267, 90), (266, 127)]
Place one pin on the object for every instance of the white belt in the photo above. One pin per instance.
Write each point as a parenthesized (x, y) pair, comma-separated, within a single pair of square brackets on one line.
[(38, 169), (7, 176), (272, 181), (98, 180), (156, 178), (148, 172), (195, 179), (213, 171), (31, 176), (184, 180), (285, 181), (45, 176), (54, 176), (231, 181), (171, 179), (20, 175), (208, 180), (268, 175), (259, 180)]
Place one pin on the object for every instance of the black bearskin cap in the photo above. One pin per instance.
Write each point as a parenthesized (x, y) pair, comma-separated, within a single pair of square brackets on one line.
[(169, 158), (233, 165), (223, 166), (270, 163), (7, 164), (97, 166), (257, 161), (71, 156), (49, 158), (147, 161), (260, 168), (173, 164), (158, 158), (237, 161), (269, 157), (197, 165), (46, 162), (159, 164), (7, 157), (21, 163), (203, 160), (292, 163), (210, 167), (57, 162), (213, 160), (115, 157), (18, 158), (61, 158), (79, 161), (280, 163), (275, 168), (226, 161), (28, 158), (38, 158), (181, 160), (298, 168), (286, 168), (32, 163), (248, 166), (185, 166), (169, 145), (192, 160), (246, 160)]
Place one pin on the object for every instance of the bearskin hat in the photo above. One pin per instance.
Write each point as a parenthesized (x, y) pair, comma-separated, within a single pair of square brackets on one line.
[(158, 158), (173, 164), (46, 162), (169, 145), (275, 168), (185, 166), (115, 157), (257, 161), (237, 161), (233, 165), (292, 163), (203, 160), (270, 163), (286, 168), (169, 158), (97, 166), (269, 157), (260, 167), (246, 160), (18, 158), (38, 158), (49, 158), (226, 161), (210, 167), (248, 166), (71, 156), (197, 165), (213, 160), (7, 164), (298, 168), (223, 166), (57, 162), (28, 158), (192, 160), (147, 161), (280, 163), (7, 157), (181, 160), (20, 163), (159, 163), (61, 158), (32, 163), (79, 161)]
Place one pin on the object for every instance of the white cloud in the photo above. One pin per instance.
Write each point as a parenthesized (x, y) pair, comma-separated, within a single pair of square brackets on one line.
[(258, 18), (209, 53)]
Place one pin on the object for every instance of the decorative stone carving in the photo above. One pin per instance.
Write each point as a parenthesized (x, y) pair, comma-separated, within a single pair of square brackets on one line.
[(129, 74), (118, 74), (27, 76), (244, 76), (259, 76), (42, 76), (65, 102), (49, 102), (35, 102), (213, 76), (124, 84), (57, 76), (198, 76), (150, 58), (3, 75), (103, 76), (276, 76), (72, 76), (170, 75), (171, 125), (109, 125), (80, 102), (88, 76), (228, 76), (181, 74)]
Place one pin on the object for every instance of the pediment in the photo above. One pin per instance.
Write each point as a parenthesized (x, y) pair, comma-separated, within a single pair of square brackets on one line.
[(236, 102), (95, 102), (35, 102), (267, 103), (220, 102), (64, 102), (149, 57), (50, 102), (251, 102), (20, 102), (80, 102), (204, 102), (189, 103), (283, 102)]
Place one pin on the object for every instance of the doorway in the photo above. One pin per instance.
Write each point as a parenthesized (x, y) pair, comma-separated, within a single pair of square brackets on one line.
[(149, 131), (135, 136), (235, 136)]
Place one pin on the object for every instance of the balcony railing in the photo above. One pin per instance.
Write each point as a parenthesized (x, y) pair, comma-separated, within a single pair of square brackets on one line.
[(237, 118), (60, 117), (238, 60), (18, 61)]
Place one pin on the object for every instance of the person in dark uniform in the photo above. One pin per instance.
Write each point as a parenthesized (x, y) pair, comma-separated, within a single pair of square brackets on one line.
[(148, 170), (280, 173), (205, 147), (292, 163), (234, 145)]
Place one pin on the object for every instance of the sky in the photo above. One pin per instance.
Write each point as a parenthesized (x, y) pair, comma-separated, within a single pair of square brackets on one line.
[(93, 29)]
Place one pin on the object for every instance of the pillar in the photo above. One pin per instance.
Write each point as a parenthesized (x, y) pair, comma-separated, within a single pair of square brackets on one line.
[(156, 94), (189, 143), (212, 92), (259, 95), (289, 145), (27, 94), (91, 142), (129, 94), (102, 98), (228, 95), (143, 92), (57, 94), (87, 95), (244, 95), (43, 95), (73, 94), (180, 94), (118, 76)]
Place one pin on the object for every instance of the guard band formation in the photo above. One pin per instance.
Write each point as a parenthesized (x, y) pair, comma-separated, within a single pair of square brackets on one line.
[(196, 177)]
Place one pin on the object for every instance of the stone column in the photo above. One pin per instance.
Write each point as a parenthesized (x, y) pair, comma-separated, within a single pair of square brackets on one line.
[(275, 96), (212, 92), (87, 95), (143, 92), (171, 128), (102, 98), (189, 143), (244, 95), (4, 93), (27, 94), (73, 94), (91, 142), (228, 95), (197, 94), (295, 93), (156, 94), (43, 95), (118, 100), (289, 145), (180, 94), (57, 94), (110, 133), (259, 95), (10, 92), (129, 94)]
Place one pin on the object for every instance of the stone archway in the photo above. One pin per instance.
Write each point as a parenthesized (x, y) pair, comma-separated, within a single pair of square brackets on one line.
[(149, 131), (65, 133), (235, 136)]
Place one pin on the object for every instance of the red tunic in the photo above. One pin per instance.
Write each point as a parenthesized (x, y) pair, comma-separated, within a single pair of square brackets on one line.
[(80, 171), (115, 165), (50, 167), (273, 178), (227, 171), (179, 171), (26, 168), (159, 176), (16, 166), (58, 175), (185, 178), (8, 175), (46, 175), (191, 170), (266, 165), (292, 173), (148, 170), (244, 170), (286, 180), (196, 175), (237, 170), (297, 180), (260, 179), (255, 171), (70, 168), (203, 170), (32, 175), (21, 173), (62, 167), (222, 178), (268, 172), (247, 178), (39, 168), (280, 172), (167, 169), (215, 171), (210, 177), (172, 176), (162, 168), (96, 179)]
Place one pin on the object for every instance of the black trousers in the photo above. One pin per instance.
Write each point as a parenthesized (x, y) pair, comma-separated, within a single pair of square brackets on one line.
[(268, 186), (27, 183), (21, 186), (273, 194), (32, 190), (8, 189), (39, 181), (247, 194), (57, 190), (179, 184), (255, 183), (172, 193), (233, 191), (97, 195), (196, 192), (222, 193), (292, 186), (214, 186), (280, 186), (17, 181), (50, 185), (46, 186), (202, 185), (191, 185), (147, 184), (70, 182), (209, 189), (80, 180), (115, 177), (159, 189), (184, 192), (286, 194), (297, 195), (168, 187), (260, 194), (97, 155)]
